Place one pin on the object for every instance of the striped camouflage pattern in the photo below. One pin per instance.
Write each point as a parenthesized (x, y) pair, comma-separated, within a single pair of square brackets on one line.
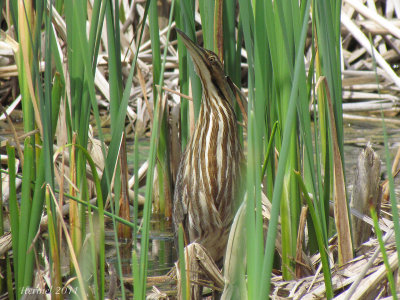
[(208, 177)]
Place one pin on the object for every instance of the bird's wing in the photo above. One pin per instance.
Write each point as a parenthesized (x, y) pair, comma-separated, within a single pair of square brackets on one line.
[(240, 98)]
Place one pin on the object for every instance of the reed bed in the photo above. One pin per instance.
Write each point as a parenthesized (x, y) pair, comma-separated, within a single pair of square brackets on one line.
[(88, 78)]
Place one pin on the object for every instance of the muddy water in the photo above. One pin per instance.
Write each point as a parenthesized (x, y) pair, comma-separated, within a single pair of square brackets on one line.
[(161, 250), (357, 135)]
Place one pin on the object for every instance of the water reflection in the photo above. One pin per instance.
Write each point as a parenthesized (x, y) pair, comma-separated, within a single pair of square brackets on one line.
[(161, 248), (357, 135)]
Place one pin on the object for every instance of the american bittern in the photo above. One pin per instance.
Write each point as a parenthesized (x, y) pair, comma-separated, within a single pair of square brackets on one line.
[(209, 170)]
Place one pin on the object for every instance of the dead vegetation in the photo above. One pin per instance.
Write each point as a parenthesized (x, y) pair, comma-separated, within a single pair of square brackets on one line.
[(371, 60)]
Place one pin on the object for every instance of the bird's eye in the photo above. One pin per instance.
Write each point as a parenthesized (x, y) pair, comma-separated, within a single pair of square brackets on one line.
[(212, 59)]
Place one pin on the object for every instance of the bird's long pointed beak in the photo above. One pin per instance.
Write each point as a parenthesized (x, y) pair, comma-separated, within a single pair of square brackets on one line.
[(196, 52), (211, 73)]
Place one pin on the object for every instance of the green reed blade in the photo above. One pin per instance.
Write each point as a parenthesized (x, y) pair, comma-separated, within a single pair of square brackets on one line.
[(25, 208), (155, 136), (289, 123), (54, 247), (185, 283), (378, 232), (320, 238), (183, 79), (188, 26), (206, 9), (393, 199), (14, 212), (137, 291)]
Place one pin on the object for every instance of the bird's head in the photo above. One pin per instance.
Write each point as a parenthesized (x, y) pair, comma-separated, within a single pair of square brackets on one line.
[(209, 68)]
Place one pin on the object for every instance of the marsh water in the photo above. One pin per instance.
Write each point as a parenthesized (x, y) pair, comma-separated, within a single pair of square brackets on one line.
[(161, 250), (357, 135)]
